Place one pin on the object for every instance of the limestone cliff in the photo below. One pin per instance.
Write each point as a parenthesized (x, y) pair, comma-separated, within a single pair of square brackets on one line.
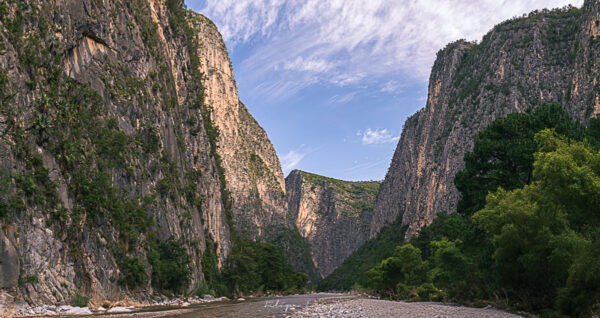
[(547, 56), (252, 169), (120, 128), (333, 215)]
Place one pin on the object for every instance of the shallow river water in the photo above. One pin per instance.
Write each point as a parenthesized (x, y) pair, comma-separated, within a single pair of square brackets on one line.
[(263, 307), (273, 307)]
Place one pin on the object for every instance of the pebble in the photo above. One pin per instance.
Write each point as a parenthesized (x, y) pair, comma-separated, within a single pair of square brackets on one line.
[(121, 309), (23, 309), (78, 311), (362, 308)]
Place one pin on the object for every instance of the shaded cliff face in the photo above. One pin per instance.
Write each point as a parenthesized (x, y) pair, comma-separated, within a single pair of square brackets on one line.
[(109, 145), (547, 57), (333, 215)]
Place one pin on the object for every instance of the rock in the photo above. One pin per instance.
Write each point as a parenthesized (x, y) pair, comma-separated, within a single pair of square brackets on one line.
[(6, 300), (120, 309), (78, 311), (9, 263)]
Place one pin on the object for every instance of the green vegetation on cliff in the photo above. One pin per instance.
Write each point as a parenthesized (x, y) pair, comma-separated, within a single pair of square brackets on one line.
[(341, 186), (251, 266), (358, 196), (96, 154)]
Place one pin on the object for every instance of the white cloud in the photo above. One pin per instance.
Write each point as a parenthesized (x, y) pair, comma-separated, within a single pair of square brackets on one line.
[(342, 42), (300, 64), (378, 136), (290, 160)]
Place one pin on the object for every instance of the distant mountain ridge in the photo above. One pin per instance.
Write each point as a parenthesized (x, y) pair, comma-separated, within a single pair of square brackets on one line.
[(333, 215)]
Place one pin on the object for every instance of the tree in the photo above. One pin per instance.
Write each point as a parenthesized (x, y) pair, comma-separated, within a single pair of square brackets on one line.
[(405, 266), (170, 266), (452, 269), (133, 272), (503, 152), (569, 173), (444, 226), (242, 271), (535, 228), (252, 265), (581, 296)]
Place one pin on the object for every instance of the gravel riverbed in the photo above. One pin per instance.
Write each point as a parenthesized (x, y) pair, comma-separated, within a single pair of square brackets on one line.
[(355, 308)]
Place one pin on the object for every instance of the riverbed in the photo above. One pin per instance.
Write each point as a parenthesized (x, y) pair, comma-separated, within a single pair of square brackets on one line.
[(312, 305)]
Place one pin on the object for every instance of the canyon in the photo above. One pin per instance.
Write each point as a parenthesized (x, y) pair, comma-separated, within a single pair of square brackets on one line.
[(121, 129)]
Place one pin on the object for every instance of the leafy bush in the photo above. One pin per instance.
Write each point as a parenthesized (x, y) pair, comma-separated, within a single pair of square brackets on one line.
[(203, 290), (581, 295), (253, 265), (428, 292), (28, 279), (452, 271), (133, 273), (403, 291), (405, 266), (80, 300), (170, 267)]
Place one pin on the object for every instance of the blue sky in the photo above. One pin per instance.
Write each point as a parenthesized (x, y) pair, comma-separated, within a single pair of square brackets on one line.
[(332, 82)]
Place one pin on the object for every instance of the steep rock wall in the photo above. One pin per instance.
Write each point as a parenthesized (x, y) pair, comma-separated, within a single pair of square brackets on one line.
[(333, 215), (106, 149), (252, 168), (545, 57)]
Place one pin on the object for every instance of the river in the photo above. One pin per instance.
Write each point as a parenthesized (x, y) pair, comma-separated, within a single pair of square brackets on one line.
[(273, 307)]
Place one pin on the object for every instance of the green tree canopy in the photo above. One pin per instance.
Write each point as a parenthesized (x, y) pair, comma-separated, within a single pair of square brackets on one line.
[(405, 266), (535, 229), (502, 154)]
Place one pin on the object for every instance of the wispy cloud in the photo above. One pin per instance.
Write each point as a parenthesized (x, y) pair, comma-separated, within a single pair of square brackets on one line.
[(291, 159), (342, 42), (392, 87), (307, 65), (342, 99), (367, 165), (377, 136)]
